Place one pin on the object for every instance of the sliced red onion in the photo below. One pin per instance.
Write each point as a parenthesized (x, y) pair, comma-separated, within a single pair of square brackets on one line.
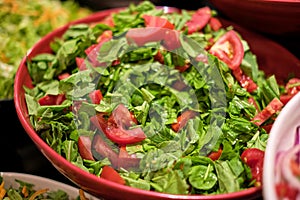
[(278, 164), (297, 137), (286, 170), (297, 142)]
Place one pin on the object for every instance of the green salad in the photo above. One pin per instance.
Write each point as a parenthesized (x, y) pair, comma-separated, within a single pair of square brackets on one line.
[(168, 102), (23, 23), (26, 191)]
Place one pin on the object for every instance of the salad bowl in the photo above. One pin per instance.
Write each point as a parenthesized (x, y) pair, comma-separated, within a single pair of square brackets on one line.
[(101, 187)]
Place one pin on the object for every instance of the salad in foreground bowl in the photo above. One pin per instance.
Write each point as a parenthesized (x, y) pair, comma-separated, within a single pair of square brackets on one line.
[(167, 102)]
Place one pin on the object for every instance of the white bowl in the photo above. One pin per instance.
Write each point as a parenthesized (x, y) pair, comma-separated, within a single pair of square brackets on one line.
[(41, 183), (281, 138)]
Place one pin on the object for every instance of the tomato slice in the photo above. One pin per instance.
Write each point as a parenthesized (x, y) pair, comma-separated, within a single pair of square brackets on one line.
[(93, 50), (141, 36), (199, 20), (111, 174), (285, 191), (183, 119), (80, 63), (157, 29), (244, 80), (229, 49), (119, 126), (274, 106), (63, 76), (52, 99), (155, 21), (215, 23), (96, 96), (215, 155), (85, 147), (254, 158), (100, 150)]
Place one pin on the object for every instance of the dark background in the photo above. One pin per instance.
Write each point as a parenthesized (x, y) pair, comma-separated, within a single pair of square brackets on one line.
[(19, 154)]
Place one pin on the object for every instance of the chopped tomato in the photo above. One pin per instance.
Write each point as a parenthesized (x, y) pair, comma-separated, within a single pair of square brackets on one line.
[(229, 49), (215, 23), (285, 191), (126, 160), (80, 63), (292, 88), (199, 20), (108, 21), (63, 76), (159, 57), (183, 119), (93, 50), (141, 36), (96, 96), (85, 147), (215, 155), (52, 99), (171, 40), (274, 106), (111, 174), (100, 150), (182, 68), (244, 80), (119, 126), (155, 21), (254, 158)]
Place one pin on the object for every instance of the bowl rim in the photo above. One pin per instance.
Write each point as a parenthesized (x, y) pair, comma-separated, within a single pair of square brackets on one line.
[(43, 147)]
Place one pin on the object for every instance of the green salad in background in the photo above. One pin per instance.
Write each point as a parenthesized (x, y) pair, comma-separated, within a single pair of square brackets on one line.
[(26, 191), (178, 107), (23, 23)]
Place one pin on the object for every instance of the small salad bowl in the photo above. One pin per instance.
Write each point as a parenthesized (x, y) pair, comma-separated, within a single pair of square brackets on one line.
[(282, 153)]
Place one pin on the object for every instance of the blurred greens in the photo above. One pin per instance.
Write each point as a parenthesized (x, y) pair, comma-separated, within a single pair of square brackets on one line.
[(22, 24)]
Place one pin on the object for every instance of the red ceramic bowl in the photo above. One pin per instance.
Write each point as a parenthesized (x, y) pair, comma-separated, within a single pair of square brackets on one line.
[(271, 61), (277, 17)]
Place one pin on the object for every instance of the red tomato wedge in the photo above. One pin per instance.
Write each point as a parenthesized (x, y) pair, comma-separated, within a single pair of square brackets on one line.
[(229, 49), (254, 158), (157, 29), (155, 21), (119, 126), (199, 20), (96, 96), (92, 51), (274, 106), (63, 76), (292, 88), (111, 174), (285, 191), (52, 99), (100, 150), (80, 63), (244, 80), (215, 23), (215, 155), (85, 147), (183, 119), (141, 36)]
